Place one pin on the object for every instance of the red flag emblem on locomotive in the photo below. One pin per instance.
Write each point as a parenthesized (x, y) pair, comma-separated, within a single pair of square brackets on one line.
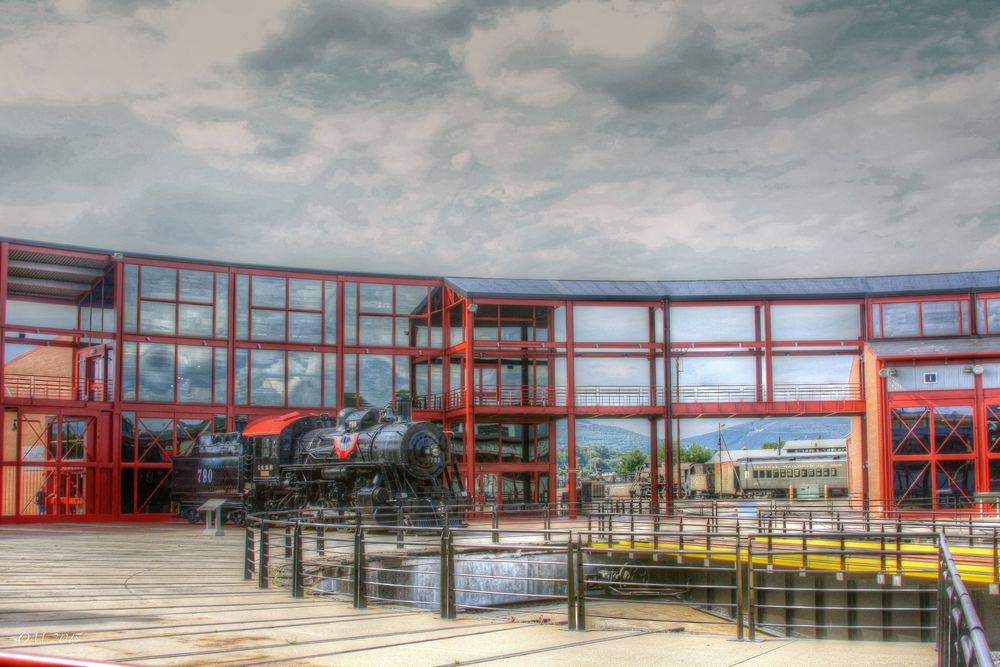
[(345, 444)]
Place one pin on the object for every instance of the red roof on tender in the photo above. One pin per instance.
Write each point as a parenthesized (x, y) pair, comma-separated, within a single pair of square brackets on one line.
[(270, 425)]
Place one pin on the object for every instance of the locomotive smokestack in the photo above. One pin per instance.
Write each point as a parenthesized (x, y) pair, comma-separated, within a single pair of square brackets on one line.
[(404, 409)]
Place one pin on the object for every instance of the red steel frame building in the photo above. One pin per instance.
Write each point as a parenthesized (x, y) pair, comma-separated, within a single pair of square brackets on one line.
[(496, 361)]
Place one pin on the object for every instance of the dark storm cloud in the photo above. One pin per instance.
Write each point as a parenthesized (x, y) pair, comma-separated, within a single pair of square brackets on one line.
[(317, 27), (691, 70), (47, 150)]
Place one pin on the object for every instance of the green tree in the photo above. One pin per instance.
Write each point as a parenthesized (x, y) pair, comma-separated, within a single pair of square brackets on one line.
[(631, 462), (769, 445), (695, 453)]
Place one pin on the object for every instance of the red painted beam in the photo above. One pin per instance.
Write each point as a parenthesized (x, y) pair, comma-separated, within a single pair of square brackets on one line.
[(25, 660)]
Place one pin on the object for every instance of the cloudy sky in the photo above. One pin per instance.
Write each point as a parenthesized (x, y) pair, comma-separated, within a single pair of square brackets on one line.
[(581, 139)]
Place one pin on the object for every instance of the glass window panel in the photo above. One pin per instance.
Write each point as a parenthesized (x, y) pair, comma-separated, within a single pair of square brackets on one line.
[(196, 286), (159, 283), (131, 297), (437, 378), (403, 331), (329, 380), (268, 292), (128, 491), (350, 380), (721, 371), (593, 371), (221, 305), (155, 439), (376, 331), (456, 333), (411, 300), (994, 475), (152, 492), (487, 443), (156, 372), (305, 294), (911, 431), (376, 298), (242, 306), (484, 328), (304, 378), (330, 312), (85, 321), (194, 320), (876, 320), (128, 437), (421, 379), (402, 375), (156, 317), (437, 332), (956, 483), (128, 371), (304, 327), (941, 318), (611, 324), (818, 370), (900, 319), (267, 377), (953, 430), (194, 374), (267, 325), (350, 313), (375, 380), (188, 431), (49, 315), (816, 322), (992, 315), (240, 369), (420, 332), (221, 357), (712, 324)]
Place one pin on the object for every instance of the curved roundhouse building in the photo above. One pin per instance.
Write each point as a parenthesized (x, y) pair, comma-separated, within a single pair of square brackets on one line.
[(115, 362)]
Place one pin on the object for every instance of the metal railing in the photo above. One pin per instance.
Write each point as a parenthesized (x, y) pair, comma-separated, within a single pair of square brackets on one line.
[(785, 576), (961, 639), (744, 393), (59, 388), (518, 395)]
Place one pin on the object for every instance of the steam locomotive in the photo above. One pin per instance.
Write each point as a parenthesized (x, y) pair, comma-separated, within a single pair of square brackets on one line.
[(385, 465)]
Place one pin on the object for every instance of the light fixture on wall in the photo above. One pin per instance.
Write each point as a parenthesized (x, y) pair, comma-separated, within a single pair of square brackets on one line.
[(887, 372), (473, 308), (978, 369)]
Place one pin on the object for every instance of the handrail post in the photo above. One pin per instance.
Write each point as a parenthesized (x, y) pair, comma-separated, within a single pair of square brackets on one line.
[(248, 553), (321, 539), (571, 585), (265, 547), (751, 593), (358, 574), (447, 571), (581, 591), (548, 524), (400, 531), (496, 525), (740, 597), (297, 591)]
